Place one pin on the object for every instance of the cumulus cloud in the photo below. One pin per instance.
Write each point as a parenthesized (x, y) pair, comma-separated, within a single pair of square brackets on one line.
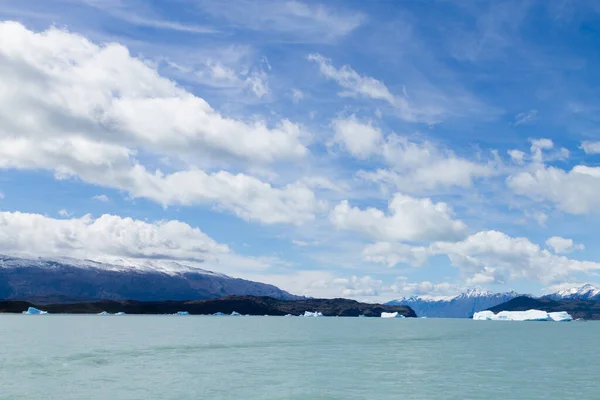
[(573, 191), (408, 218), (101, 106), (414, 166), (491, 257), (591, 147), (359, 139), (562, 245), (108, 235)]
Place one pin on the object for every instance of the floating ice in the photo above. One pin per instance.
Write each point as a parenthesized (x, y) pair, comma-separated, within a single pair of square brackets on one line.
[(182, 313), (312, 314), (34, 311), (392, 315), (103, 313), (235, 314), (288, 315), (529, 315), (120, 313), (219, 314)]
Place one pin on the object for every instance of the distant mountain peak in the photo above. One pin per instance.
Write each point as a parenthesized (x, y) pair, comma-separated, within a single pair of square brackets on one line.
[(584, 292)]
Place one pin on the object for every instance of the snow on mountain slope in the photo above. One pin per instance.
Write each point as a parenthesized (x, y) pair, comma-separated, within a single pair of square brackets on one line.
[(584, 292), (462, 306), (73, 279)]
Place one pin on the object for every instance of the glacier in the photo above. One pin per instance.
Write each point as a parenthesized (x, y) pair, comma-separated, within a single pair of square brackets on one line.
[(34, 311), (392, 315), (529, 315), (312, 314)]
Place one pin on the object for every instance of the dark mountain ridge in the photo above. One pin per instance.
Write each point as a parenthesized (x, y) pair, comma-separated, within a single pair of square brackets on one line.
[(251, 305), (584, 309)]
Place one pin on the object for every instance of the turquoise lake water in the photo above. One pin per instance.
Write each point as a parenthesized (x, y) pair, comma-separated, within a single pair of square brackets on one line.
[(189, 357)]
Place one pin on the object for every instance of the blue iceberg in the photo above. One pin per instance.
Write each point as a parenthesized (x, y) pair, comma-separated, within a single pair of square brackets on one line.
[(182, 313), (103, 313), (34, 311)]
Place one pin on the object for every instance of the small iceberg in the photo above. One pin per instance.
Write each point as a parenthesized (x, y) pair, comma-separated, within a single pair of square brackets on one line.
[(103, 313), (392, 315), (120, 313), (312, 314), (529, 315), (288, 315), (182, 313), (34, 311), (219, 314), (235, 314)]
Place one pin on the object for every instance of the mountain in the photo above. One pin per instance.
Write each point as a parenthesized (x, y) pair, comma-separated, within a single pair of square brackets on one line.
[(585, 292), (579, 309), (61, 280), (461, 306), (251, 305)]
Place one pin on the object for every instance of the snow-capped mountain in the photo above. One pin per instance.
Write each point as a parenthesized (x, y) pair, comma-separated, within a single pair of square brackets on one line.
[(462, 306), (66, 279), (585, 292)]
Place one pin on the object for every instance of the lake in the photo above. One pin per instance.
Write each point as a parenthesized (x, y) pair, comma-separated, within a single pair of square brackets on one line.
[(193, 357)]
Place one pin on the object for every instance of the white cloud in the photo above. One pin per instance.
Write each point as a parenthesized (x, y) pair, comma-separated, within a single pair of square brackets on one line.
[(352, 81), (525, 117), (102, 92), (105, 236), (102, 198), (562, 245), (64, 213), (428, 105), (394, 253), (361, 140), (215, 74), (591, 147), (575, 191), (1, 195), (102, 105), (517, 156), (494, 257), (290, 20), (408, 218)]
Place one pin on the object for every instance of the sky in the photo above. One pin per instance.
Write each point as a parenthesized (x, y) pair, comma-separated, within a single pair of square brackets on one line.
[(370, 150)]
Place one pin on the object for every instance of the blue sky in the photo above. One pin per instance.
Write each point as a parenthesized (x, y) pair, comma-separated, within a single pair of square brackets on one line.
[(362, 149)]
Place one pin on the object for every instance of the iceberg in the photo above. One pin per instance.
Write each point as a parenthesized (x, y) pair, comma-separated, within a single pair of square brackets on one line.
[(235, 314), (182, 313), (34, 311), (312, 314), (103, 313), (288, 315), (529, 315), (120, 313), (392, 315), (219, 314)]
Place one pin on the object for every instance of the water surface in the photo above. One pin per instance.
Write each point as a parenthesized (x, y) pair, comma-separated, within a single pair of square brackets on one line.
[(188, 357)]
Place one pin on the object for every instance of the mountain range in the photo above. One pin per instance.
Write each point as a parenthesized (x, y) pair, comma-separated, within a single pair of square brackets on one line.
[(461, 306), (64, 280), (466, 304)]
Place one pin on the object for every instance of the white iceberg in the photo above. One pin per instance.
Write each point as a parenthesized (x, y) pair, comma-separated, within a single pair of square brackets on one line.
[(103, 313), (529, 315), (182, 313), (392, 315), (120, 313), (34, 311), (219, 314), (235, 314), (288, 315), (312, 314)]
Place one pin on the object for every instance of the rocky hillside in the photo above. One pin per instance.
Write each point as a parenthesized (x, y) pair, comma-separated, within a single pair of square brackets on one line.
[(251, 305)]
